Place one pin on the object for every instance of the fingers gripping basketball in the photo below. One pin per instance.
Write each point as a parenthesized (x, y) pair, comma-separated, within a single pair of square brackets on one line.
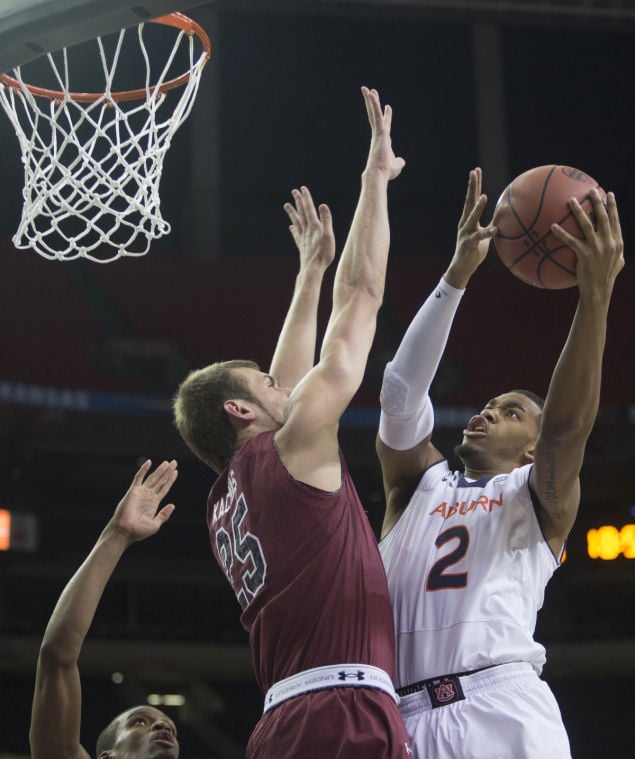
[(525, 211)]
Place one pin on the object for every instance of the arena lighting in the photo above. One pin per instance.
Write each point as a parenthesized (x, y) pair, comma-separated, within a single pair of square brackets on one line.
[(5, 530), (609, 542), (18, 531), (166, 699)]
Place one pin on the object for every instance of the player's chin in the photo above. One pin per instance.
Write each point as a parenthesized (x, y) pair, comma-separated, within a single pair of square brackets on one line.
[(164, 751), (466, 450)]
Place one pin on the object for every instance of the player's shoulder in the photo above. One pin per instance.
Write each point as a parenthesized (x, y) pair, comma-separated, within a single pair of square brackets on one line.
[(518, 477), (438, 473)]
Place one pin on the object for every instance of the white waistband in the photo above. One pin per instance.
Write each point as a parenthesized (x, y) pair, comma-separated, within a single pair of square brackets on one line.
[(332, 676)]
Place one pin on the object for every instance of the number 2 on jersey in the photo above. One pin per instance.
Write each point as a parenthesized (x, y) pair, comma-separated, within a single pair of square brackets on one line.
[(438, 578)]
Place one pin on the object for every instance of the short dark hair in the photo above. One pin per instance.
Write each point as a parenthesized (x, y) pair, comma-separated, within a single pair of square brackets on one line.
[(540, 402), (108, 736), (199, 414)]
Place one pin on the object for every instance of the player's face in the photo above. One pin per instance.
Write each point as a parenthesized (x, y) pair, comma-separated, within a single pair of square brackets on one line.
[(145, 733), (504, 430), (272, 400)]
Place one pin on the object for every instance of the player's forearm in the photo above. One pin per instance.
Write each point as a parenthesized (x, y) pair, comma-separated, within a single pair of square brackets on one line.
[(574, 392), (295, 350), (359, 287), (75, 609), (459, 273), (421, 349), (362, 267), (407, 416)]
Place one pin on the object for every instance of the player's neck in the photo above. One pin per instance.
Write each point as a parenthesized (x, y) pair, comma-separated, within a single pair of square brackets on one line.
[(253, 430), (476, 470), (477, 474), (481, 463)]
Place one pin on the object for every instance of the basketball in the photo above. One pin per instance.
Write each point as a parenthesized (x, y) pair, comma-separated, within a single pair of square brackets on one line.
[(525, 211)]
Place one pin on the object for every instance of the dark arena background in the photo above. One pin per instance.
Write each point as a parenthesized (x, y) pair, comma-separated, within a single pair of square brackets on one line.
[(91, 354)]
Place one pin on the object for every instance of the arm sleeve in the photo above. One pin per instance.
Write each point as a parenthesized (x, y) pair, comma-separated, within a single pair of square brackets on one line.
[(407, 416)]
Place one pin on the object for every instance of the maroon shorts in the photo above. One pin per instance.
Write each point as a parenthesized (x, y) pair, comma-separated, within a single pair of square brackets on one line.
[(339, 723)]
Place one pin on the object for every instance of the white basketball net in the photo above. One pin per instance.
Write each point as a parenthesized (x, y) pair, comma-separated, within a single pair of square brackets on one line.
[(92, 169)]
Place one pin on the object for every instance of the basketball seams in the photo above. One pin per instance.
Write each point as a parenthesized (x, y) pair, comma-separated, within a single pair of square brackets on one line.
[(541, 193), (526, 228), (548, 253)]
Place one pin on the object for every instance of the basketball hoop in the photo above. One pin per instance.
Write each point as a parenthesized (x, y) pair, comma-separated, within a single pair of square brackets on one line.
[(93, 160)]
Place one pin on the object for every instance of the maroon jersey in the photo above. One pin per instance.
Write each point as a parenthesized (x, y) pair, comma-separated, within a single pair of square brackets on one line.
[(304, 565)]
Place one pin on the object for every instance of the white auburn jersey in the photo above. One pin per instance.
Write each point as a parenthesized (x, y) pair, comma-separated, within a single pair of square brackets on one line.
[(467, 566)]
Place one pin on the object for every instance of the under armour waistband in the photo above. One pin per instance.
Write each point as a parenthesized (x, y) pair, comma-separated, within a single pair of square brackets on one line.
[(332, 676)]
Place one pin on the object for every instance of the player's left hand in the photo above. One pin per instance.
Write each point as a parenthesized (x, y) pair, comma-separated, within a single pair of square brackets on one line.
[(472, 240), (600, 253), (311, 229), (138, 514)]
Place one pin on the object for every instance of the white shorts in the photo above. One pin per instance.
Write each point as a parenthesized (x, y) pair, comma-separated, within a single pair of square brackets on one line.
[(508, 713)]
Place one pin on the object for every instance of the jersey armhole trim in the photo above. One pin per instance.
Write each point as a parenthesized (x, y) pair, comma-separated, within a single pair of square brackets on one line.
[(416, 490)]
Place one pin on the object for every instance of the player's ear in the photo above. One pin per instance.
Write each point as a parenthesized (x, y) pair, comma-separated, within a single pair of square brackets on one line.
[(239, 410), (528, 454), (106, 755)]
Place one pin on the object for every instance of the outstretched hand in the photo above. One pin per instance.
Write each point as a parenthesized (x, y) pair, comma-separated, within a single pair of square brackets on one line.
[(472, 240), (381, 156), (600, 253), (138, 514), (311, 229)]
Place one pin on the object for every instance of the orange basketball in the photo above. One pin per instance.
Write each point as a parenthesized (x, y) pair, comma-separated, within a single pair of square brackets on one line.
[(525, 211)]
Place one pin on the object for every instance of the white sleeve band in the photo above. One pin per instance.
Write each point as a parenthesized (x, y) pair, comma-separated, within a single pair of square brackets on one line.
[(407, 416), (404, 432)]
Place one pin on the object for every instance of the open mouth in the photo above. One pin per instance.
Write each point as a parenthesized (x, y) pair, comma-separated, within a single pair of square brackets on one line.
[(477, 427), (164, 736)]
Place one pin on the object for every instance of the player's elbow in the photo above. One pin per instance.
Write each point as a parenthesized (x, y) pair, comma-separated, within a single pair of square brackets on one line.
[(55, 656), (565, 432), (367, 286), (371, 291)]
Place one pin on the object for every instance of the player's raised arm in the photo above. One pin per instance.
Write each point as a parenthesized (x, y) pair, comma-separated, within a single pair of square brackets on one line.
[(308, 441), (574, 392), (312, 231), (56, 712), (404, 442)]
